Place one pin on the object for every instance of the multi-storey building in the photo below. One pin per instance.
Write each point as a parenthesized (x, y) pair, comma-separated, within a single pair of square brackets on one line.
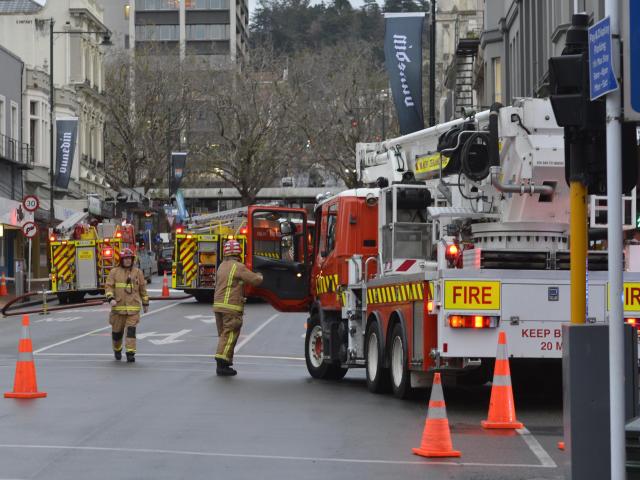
[(213, 30)]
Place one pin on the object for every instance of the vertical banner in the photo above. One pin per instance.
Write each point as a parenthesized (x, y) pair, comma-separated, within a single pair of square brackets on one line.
[(178, 162), (66, 135), (403, 61), (182, 209)]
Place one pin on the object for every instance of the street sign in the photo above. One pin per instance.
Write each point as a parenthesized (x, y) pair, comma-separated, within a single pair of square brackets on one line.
[(631, 59), (30, 229), (602, 79), (30, 203)]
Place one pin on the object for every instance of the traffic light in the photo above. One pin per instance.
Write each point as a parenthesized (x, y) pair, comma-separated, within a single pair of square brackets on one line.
[(584, 121)]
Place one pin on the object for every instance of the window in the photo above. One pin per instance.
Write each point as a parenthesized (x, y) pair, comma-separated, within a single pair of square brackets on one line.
[(15, 121), (157, 5), (207, 4), (157, 32), (3, 127), (127, 11), (207, 32), (497, 80), (332, 221)]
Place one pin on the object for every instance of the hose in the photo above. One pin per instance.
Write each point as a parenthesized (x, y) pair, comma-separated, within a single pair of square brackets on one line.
[(7, 312)]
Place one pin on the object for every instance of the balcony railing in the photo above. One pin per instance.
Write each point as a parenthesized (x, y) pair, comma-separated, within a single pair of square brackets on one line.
[(16, 152)]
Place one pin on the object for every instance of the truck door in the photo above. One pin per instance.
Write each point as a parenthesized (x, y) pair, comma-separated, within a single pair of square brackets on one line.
[(277, 247)]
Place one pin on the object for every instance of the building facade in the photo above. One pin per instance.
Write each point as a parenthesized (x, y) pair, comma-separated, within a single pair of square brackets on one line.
[(517, 40), (213, 31)]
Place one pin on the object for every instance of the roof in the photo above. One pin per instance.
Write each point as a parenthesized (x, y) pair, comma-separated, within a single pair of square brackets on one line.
[(19, 6), (362, 192)]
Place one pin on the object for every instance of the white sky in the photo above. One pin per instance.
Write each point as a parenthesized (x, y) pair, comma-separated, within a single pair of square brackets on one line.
[(253, 3)]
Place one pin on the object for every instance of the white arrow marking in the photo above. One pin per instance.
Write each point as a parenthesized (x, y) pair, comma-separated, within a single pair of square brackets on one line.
[(58, 319), (168, 337), (202, 318)]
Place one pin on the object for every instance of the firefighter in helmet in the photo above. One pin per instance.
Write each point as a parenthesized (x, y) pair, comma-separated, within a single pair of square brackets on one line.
[(126, 292), (228, 303)]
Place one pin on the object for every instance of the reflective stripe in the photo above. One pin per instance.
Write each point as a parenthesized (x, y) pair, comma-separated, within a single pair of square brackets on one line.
[(131, 350), (436, 393), (124, 285), (25, 356), (217, 355), (25, 332), (501, 380), (229, 283), (502, 352), (437, 413), (127, 308), (235, 308), (228, 345)]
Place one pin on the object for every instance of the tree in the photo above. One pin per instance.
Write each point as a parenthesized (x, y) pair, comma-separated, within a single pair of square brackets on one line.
[(148, 110), (339, 95), (248, 141)]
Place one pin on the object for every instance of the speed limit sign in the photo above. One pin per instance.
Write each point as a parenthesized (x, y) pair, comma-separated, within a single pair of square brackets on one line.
[(30, 203), (30, 229)]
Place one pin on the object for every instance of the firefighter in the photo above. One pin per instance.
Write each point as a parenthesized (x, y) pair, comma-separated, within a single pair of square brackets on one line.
[(126, 290), (228, 304)]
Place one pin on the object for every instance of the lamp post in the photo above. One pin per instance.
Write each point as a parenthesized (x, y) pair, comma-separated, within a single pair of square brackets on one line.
[(106, 41)]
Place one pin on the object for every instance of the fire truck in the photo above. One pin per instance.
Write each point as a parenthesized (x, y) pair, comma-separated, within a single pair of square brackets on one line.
[(82, 254), (461, 231), (198, 247)]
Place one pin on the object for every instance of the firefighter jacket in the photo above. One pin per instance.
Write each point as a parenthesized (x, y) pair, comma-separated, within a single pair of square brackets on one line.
[(230, 279), (129, 289)]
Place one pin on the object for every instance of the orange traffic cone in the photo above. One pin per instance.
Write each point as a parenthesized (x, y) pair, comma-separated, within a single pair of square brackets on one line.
[(436, 437), (25, 385), (502, 410), (561, 446), (165, 286), (3, 286)]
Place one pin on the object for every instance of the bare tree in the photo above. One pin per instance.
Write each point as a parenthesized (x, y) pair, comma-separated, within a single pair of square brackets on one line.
[(340, 100), (148, 110), (248, 138)]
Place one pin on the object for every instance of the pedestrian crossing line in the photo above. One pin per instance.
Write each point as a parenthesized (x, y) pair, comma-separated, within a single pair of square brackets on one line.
[(190, 453), (536, 448), (92, 332)]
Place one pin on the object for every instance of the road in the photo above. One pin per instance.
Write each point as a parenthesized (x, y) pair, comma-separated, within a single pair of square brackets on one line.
[(169, 417)]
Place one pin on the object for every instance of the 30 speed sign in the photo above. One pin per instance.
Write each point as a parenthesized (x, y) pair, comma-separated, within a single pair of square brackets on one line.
[(30, 203)]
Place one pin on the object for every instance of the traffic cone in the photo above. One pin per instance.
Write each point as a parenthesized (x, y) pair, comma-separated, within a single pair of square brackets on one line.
[(165, 286), (502, 410), (3, 286), (25, 385), (561, 446), (436, 437)]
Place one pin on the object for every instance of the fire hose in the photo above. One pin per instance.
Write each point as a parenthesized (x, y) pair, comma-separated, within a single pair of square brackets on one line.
[(45, 308)]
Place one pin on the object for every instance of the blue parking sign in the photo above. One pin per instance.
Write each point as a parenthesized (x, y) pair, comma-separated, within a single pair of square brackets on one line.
[(602, 79)]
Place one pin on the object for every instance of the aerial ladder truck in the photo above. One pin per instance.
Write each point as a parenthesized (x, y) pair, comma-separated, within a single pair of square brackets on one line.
[(460, 231)]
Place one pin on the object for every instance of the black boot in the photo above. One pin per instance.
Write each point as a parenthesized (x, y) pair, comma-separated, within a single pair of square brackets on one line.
[(223, 369), (131, 357), (117, 354)]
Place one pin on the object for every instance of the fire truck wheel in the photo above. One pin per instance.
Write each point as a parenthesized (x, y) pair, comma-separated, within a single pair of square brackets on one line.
[(63, 298), (313, 353), (400, 382), (377, 375), (205, 297)]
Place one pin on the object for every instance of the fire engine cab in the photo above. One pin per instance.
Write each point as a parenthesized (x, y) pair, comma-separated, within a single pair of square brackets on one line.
[(460, 231)]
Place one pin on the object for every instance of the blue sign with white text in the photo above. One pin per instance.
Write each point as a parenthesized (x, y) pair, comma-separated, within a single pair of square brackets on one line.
[(633, 43), (602, 79)]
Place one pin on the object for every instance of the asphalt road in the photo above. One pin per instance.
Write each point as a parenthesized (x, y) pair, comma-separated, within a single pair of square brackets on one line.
[(169, 417)]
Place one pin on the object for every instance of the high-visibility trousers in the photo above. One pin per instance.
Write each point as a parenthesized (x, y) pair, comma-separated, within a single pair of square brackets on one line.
[(229, 325), (122, 325)]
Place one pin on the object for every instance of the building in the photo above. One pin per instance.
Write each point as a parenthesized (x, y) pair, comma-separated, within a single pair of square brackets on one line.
[(15, 158), (213, 30), (517, 40), (78, 87)]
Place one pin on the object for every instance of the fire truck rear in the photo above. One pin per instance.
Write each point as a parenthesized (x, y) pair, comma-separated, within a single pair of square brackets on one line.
[(82, 255), (464, 234)]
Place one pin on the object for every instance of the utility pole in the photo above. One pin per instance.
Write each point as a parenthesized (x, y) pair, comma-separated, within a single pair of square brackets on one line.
[(432, 66), (614, 240), (52, 96)]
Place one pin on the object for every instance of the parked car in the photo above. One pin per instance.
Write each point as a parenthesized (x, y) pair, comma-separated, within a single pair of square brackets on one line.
[(164, 260)]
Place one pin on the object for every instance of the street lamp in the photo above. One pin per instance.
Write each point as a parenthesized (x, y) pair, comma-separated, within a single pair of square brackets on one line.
[(106, 41)]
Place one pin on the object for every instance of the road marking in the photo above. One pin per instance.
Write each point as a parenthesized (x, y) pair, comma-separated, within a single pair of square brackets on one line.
[(185, 355), (58, 319), (168, 339), (202, 318), (77, 337), (248, 338), (536, 448), (266, 457)]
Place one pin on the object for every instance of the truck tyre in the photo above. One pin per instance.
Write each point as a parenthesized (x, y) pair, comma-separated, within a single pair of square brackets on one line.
[(63, 298), (77, 297), (400, 376), (313, 353), (377, 375)]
